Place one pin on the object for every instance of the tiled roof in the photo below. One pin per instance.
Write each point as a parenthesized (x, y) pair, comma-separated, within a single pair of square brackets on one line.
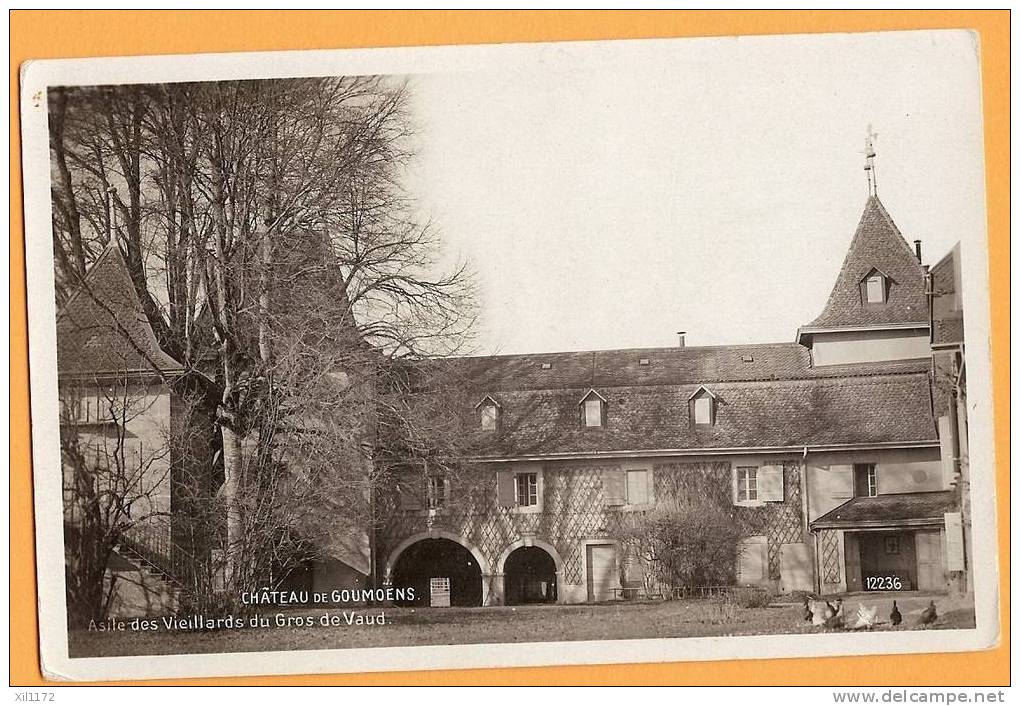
[(101, 329), (820, 411), (892, 510), (659, 366), (877, 244), (948, 331), (947, 328)]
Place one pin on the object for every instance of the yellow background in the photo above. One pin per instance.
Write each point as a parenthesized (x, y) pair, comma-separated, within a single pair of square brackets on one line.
[(66, 33)]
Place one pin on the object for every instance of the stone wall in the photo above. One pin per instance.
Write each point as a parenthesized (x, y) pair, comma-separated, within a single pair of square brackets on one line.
[(574, 512)]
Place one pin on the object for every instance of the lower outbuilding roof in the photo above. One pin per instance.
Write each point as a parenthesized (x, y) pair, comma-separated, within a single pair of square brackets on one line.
[(893, 510)]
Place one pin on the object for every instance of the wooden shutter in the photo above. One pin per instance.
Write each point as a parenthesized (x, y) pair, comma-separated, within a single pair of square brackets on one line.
[(954, 542), (770, 483), (410, 494), (852, 560), (614, 486), (637, 487), (841, 481), (505, 490), (946, 452)]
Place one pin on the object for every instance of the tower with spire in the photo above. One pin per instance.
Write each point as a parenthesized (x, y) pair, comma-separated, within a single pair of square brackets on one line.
[(877, 309)]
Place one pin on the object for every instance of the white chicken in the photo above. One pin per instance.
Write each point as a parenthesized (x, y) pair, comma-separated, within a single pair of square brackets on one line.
[(865, 618), (818, 613)]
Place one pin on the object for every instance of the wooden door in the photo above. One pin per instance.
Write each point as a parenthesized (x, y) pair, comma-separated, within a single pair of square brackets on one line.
[(930, 574), (603, 575), (852, 561)]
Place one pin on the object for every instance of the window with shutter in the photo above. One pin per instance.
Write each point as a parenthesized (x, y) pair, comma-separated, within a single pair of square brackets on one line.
[(410, 498), (865, 480), (613, 486), (505, 490), (637, 487), (746, 485), (701, 407), (769, 484), (527, 489), (438, 491), (490, 417), (875, 289), (703, 410)]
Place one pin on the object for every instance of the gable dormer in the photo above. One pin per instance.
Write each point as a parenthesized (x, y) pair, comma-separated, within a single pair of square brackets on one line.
[(877, 309), (594, 410), (489, 412), (874, 288), (701, 407)]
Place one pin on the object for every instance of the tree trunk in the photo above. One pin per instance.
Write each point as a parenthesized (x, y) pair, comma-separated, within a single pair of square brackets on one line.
[(229, 491)]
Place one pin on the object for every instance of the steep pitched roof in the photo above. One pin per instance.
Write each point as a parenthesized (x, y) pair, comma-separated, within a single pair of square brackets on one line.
[(886, 408), (893, 510), (877, 244), (102, 329)]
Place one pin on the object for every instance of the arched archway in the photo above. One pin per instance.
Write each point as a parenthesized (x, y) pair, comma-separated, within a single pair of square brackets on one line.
[(417, 560), (530, 573)]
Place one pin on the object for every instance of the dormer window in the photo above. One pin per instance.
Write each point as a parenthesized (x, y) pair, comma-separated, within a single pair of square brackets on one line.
[(488, 414), (593, 410), (702, 407), (874, 288)]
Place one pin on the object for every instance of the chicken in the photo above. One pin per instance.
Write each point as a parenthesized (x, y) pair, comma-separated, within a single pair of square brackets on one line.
[(930, 615), (895, 617), (836, 621), (818, 610), (865, 618), (809, 613)]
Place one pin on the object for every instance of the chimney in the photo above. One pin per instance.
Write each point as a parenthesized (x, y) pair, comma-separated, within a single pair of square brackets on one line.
[(917, 250), (682, 335)]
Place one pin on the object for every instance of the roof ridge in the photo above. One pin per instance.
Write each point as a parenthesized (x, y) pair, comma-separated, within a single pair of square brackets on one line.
[(590, 351)]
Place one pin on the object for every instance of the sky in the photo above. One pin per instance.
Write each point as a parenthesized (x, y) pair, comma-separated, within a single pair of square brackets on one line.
[(609, 195)]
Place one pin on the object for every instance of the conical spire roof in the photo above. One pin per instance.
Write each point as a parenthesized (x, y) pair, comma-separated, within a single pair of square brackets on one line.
[(102, 329), (877, 246)]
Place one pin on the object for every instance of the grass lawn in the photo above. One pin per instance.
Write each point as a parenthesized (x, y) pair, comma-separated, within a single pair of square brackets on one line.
[(445, 626)]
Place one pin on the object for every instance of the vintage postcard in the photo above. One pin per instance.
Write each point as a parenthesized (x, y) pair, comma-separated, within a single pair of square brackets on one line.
[(566, 353)]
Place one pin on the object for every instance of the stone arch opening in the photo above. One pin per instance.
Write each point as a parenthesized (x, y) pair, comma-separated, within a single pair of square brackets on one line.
[(438, 557), (529, 576)]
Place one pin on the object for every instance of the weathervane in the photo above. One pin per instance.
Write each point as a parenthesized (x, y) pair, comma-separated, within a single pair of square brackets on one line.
[(869, 161)]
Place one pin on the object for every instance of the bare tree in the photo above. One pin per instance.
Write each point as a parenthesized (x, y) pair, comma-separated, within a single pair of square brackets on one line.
[(275, 252), (116, 486)]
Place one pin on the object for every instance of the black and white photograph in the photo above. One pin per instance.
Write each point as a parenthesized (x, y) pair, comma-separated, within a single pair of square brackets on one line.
[(580, 352)]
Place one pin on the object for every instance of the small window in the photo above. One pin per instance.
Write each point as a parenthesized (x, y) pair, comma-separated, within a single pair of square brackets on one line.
[(490, 416), (747, 484), (593, 412), (703, 410), (527, 489), (892, 544), (865, 480), (438, 491), (637, 487), (873, 288)]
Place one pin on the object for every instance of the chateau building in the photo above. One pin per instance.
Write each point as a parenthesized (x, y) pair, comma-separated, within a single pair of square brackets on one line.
[(827, 449), (841, 455)]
